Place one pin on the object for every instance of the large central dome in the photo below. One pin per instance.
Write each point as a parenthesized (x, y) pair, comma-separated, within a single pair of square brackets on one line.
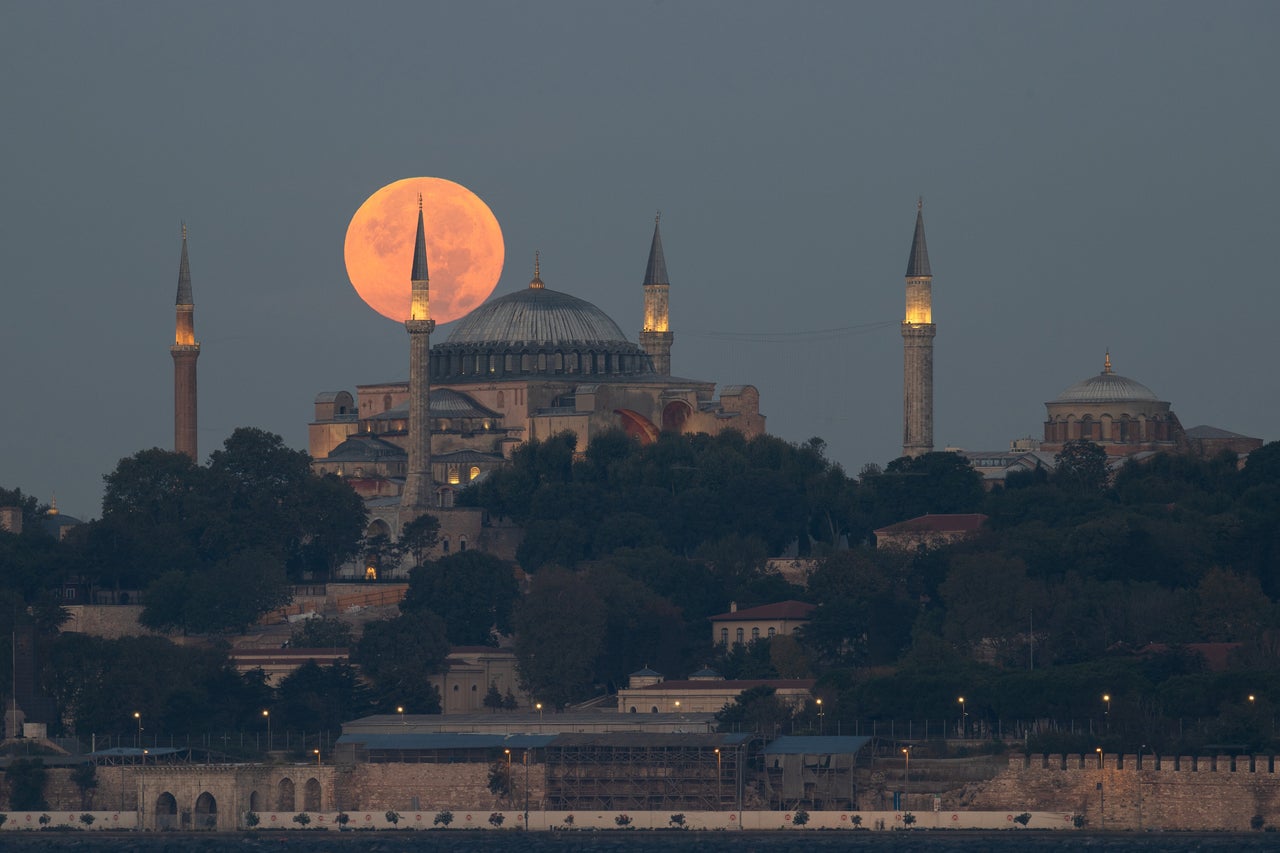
[(1106, 388), (536, 315)]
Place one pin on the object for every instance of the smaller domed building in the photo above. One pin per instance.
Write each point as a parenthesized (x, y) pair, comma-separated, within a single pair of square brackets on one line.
[(1121, 415)]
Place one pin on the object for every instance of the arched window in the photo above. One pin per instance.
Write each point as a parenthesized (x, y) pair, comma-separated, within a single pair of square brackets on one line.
[(755, 633), (166, 811), (739, 636), (502, 398), (386, 402), (772, 631), (474, 472), (444, 545), (255, 802), (724, 636), (633, 709), (285, 796), (206, 811), (454, 478), (462, 543), (653, 710), (311, 795)]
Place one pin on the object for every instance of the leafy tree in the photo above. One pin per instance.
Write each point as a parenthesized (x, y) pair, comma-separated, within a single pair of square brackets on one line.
[(560, 626), (419, 537), (472, 591), (85, 778), (315, 697), (756, 710), (399, 655), (493, 698), (321, 633), (26, 778), (1081, 467)]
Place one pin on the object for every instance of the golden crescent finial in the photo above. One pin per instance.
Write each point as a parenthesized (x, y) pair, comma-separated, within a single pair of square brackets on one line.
[(1106, 364), (537, 263)]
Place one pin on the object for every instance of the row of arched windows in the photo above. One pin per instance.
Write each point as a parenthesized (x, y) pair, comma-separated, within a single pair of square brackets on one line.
[(740, 635), (485, 363)]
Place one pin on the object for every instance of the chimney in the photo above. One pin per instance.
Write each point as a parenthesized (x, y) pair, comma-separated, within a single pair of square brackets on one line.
[(733, 607)]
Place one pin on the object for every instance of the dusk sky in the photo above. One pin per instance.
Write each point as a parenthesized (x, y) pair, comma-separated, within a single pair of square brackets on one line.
[(1095, 175)]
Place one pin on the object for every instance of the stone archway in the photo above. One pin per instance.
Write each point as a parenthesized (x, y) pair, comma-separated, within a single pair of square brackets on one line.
[(311, 795), (166, 811), (206, 811), (255, 801), (674, 415), (285, 800)]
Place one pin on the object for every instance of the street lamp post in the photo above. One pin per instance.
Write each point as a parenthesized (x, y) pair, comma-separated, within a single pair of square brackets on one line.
[(267, 716), (964, 720), (1102, 805), (717, 777), (317, 752), (137, 715), (400, 711), (537, 706), (906, 775), (508, 754), (1106, 715), (526, 789), (819, 716)]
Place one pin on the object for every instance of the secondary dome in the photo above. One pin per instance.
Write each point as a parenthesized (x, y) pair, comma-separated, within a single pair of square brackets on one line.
[(537, 315), (1106, 387)]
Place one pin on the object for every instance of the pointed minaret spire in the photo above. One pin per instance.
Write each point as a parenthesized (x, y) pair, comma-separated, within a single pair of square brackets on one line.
[(656, 337), (418, 482), (420, 249), (918, 260), (184, 273), (656, 270), (1106, 364), (185, 351), (918, 331)]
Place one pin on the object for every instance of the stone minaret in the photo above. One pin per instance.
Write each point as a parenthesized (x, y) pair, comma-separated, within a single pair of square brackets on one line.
[(656, 337), (917, 346), (417, 481), (185, 351)]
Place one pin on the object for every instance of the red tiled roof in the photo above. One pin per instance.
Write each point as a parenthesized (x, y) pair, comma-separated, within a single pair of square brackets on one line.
[(780, 610), (965, 522), (736, 685)]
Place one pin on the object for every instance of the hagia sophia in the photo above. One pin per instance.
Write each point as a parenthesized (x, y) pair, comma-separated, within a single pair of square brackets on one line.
[(535, 362)]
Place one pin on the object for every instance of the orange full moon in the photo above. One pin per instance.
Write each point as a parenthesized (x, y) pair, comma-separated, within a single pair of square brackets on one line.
[(464, 248)]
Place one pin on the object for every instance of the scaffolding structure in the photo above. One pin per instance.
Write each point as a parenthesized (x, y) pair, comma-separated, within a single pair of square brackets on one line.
[(645, 771), (817, 772)]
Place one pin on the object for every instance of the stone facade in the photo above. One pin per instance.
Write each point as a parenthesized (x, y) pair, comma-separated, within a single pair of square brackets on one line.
[(1164, 793)]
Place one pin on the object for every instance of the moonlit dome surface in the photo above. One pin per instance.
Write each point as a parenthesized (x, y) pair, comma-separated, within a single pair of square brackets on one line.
[(536, 316), (1106, 387)]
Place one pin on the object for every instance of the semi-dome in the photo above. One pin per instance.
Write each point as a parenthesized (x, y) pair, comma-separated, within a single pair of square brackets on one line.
[(537, 315), (1106, 387)]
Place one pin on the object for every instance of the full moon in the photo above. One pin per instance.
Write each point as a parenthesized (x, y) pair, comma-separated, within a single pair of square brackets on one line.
[(464, 248)]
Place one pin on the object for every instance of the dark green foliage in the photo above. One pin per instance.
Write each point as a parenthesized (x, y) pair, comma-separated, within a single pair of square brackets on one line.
[(398, 655), (26, 779), (756, 710), (85, 778), (473, 592), (321, 633), (314, 697)]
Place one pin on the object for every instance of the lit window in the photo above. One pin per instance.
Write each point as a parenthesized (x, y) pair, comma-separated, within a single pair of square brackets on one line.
[(475, 472), (454, 479)]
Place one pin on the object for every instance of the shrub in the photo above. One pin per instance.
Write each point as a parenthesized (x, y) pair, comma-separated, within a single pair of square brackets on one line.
[(393, 817), (251, 819), (908, 819), (856, 820), (677, 820), (1257, 822), (342, 819), (623, 820), (44, 820), (800, 818), (302, 819), (87, 819), (1079, 821), (444, 818), (1023, 819), (568, 820), (3, 818), (496, 819)]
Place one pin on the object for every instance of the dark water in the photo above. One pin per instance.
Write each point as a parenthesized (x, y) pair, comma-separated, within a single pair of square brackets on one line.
[(639, 842)]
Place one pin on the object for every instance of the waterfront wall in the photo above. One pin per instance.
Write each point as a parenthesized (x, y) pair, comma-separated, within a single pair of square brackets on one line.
[(1162, 793)]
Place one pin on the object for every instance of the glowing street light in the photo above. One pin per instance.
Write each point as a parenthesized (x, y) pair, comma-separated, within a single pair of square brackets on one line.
[(400, 711), (819, 716), (906, 775), (317, 752), (537, 706), (964, 719), (137, 715), (267, 716), (717, 777)]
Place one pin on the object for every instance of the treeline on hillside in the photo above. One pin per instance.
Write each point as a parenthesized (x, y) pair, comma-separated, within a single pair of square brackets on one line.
[(1074, 575)]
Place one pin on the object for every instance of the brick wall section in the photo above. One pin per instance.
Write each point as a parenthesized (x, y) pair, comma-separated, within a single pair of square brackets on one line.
[(1171, 793), (432, 787)]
